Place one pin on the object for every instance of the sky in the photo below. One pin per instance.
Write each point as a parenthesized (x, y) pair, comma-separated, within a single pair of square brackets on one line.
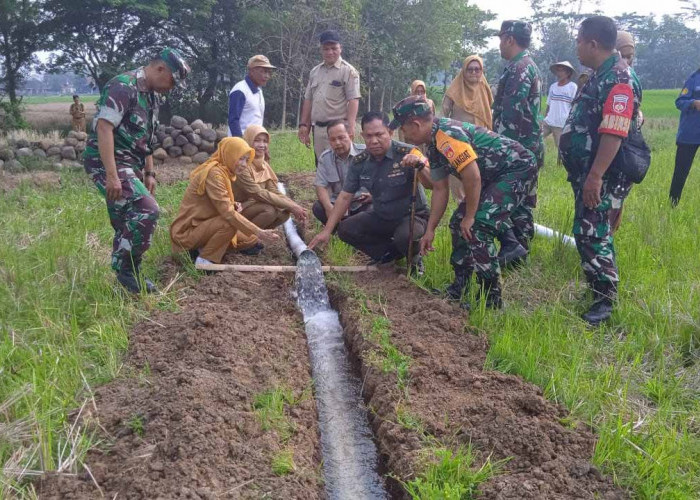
[(514, 9)]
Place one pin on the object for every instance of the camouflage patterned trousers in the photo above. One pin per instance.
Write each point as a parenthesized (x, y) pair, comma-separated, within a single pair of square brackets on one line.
[(522, 217), (498, 202), (134, 216), (592, 230)]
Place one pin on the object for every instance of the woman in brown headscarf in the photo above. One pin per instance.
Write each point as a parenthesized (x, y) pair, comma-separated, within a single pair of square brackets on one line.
[(208, 222), (418, 88), (469, 98), (256, 186)]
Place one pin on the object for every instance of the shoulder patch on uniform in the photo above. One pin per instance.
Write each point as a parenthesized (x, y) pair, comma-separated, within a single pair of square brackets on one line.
[(617, 111), (361, 157), (685, 91), (459, 154)]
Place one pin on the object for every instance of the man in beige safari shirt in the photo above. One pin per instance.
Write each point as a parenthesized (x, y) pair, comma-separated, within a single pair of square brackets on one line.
[(333, 93)]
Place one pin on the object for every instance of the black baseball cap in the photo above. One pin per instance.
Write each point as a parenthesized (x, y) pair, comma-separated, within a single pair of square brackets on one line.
[(329, 36)]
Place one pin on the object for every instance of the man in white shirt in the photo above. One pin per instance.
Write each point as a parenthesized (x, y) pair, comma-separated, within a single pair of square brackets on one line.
[(246, 104), (561, 96)]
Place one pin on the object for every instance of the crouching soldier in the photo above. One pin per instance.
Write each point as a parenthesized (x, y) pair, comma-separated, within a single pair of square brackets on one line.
[(382, 232), (496, 174)]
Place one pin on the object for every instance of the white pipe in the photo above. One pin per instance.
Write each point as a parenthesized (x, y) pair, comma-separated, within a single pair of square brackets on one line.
[(295, 242), (551, 233)]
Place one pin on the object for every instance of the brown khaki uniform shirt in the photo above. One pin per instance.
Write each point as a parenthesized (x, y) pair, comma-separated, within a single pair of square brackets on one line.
[(329, 90)]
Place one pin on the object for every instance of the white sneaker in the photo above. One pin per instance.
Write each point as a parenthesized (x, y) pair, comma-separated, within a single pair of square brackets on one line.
[(200, 260)]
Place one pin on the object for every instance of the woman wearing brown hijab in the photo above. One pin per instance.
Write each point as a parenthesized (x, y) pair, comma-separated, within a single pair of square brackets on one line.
[(208, 222), (469, 97), (418, 88), (256, 186)]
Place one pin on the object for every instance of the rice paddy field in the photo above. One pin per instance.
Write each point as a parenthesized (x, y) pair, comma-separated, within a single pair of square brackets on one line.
[(64, 327)]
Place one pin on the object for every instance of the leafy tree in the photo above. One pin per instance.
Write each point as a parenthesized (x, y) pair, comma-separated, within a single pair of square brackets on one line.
[(101, 38), (20, 37)]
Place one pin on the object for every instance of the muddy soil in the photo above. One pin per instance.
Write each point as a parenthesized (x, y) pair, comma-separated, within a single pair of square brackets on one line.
[(182, 425), (458, 402)]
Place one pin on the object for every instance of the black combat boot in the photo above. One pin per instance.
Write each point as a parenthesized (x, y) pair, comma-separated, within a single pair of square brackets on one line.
[(604, 294), (128, 280), (150, 286), (458, 291), (492, 289), (513, 252)]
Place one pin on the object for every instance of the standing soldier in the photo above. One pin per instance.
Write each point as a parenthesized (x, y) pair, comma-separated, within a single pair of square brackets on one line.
[(516, 114), (601, 117), (118, 158), (77, 112), (495, 173), (333, 93)]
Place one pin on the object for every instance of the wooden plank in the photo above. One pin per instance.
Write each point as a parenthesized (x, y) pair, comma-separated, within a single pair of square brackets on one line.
[(250, 268)]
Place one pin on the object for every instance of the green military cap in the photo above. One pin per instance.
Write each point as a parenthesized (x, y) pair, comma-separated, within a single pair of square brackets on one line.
[(406, 108), (176, 63), (516, 28)]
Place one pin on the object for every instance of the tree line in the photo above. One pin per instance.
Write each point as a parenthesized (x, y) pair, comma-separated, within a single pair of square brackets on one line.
[(390, 42)]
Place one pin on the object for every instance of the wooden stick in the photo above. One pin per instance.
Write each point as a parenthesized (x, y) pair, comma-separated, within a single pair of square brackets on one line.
[(279, 269)]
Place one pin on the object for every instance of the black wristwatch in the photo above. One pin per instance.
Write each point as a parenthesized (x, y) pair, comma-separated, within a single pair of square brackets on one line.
[(150, 174)]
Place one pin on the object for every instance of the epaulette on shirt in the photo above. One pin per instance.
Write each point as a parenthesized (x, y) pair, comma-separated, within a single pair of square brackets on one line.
[(402, 148), (364, 155)]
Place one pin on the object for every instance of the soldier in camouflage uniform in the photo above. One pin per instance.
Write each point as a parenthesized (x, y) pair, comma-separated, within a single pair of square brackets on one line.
[(601, 116), (516, 115), (496, 173), (118, 158)]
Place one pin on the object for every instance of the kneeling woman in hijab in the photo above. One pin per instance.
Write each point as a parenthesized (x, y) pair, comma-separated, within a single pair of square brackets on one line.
[(256, 186), (208, 222)]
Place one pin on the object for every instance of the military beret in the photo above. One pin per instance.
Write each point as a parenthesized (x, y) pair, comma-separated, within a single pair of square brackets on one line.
[(516, 28), (409, 107), (176, 63), (329, 36)]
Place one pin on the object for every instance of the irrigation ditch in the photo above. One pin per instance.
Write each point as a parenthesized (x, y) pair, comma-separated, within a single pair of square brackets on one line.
[(351, 387)]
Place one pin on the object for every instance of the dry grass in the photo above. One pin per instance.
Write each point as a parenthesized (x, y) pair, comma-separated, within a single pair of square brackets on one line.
[(53, 115)]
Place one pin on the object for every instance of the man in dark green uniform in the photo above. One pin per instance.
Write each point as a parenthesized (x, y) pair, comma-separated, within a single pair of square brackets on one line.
[(516, 115), (118, 158), (601, 117), (381, 232), (496, 174)]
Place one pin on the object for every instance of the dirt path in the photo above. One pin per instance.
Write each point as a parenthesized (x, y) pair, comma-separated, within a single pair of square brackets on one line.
[(455, 400), (184, 425)]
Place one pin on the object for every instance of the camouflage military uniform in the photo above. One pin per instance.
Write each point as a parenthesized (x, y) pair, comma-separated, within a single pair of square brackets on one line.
[(126, 103), (516, 115), (607, 104), (507, 170)]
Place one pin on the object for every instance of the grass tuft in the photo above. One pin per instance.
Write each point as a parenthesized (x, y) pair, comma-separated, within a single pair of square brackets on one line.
[(283, 463), (451, 475), (270, 406)]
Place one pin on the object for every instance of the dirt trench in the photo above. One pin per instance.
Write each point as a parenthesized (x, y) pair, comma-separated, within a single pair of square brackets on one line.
[(458, 402), (183, 425)]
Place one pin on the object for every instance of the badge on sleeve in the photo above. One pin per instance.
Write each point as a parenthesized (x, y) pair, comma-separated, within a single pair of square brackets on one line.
[(617, 111), (459, 154)]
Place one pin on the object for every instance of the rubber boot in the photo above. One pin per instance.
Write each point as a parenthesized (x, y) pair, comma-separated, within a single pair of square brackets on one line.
[(512, 253), (150, 286), (492, 289), (602, 307)]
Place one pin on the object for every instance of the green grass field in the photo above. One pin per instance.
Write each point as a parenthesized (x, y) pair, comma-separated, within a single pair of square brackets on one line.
[(40, 99), (636, 382)]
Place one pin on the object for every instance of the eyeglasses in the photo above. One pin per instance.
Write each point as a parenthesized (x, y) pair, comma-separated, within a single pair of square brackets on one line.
[(473, 70)]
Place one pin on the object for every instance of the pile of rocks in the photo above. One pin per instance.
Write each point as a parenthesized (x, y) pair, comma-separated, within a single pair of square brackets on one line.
[(193, 142), (62, 153)]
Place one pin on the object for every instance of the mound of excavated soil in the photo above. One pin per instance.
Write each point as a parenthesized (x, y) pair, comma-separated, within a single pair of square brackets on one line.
[(196, 373), (459, 402)]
